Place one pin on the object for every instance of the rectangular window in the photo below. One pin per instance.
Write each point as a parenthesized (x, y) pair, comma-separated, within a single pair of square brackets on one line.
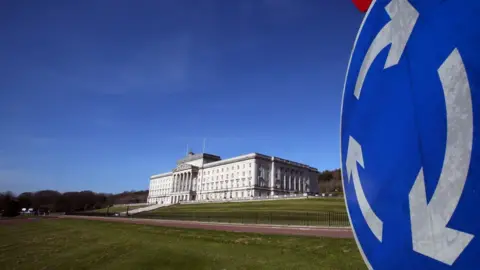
[(244, 166)]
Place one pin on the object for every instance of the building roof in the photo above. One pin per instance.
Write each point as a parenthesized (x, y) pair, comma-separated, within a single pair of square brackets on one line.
[(192, 156)]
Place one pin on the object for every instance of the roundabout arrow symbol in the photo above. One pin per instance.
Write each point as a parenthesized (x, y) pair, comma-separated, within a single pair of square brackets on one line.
[(395, 33), (430, 234), (354, 156)]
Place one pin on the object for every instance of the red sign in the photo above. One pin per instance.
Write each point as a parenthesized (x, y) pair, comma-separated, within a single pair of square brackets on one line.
[(362, 5)]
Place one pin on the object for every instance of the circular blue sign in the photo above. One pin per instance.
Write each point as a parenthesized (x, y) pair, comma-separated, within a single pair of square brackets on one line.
[(410, 130)]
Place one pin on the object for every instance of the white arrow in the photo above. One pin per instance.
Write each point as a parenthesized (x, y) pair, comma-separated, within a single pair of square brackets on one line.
[(430, 234), (354, 156), (396, 32)]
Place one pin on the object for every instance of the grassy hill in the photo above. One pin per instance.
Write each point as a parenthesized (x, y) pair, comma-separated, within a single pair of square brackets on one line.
[(295, 205), (324, 211)]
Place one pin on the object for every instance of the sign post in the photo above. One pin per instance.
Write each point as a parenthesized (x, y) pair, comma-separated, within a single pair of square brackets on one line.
[(410, 135)]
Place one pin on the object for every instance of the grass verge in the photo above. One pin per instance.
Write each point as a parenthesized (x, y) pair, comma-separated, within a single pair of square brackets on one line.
[(83, 244)]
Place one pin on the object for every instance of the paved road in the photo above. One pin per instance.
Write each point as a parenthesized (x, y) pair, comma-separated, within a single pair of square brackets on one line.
[(250, 228)]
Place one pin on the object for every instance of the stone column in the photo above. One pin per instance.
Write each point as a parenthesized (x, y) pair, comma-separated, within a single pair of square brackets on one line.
[(294, 178), (303, 184), (175, 187), (183, 181), (180, 182), (272, 177), (191, 181), (290, 180), (295, 181), (287, 179), (177, 183), (255, 172)]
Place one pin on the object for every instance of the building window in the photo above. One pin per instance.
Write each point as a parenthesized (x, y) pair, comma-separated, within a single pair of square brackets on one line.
[(243, 173), (244, 166), (238, 167)]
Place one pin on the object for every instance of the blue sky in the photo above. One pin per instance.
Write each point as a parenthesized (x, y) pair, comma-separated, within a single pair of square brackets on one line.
[(100, 95)]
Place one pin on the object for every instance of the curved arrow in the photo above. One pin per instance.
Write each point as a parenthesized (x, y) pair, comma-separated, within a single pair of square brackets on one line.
[(396, 32), (354, 156), (430, 234)]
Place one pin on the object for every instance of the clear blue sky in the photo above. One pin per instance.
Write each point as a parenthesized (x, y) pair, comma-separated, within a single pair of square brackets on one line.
[(100, 95)]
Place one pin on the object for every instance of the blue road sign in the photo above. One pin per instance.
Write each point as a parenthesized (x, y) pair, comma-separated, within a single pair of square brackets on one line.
[(410, 135)]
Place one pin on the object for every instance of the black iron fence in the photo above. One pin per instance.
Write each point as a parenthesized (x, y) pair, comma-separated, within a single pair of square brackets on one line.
[(332, 219)]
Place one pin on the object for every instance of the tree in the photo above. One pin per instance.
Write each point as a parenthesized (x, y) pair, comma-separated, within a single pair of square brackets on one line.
[(55, 201), (330, 181), (9, 205), (25, 200)]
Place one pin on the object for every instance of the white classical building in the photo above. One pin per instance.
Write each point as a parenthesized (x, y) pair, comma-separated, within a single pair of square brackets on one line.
[(206, 177)]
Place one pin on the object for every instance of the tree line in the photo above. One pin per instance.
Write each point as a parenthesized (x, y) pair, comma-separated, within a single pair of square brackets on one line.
[(330, 181), (54, 201)]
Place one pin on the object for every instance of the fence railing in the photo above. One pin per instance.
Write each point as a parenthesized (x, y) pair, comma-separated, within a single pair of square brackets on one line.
[(331, 219)]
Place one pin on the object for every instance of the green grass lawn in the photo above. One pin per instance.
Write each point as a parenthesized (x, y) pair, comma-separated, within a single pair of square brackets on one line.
[(315, 211), (83, 244), (116, 209)]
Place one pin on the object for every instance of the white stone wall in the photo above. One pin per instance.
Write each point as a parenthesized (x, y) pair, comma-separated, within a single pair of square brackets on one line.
[(226, 179), (160, 188)]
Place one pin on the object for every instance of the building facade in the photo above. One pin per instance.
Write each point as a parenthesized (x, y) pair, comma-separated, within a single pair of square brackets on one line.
[(206, 177)]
